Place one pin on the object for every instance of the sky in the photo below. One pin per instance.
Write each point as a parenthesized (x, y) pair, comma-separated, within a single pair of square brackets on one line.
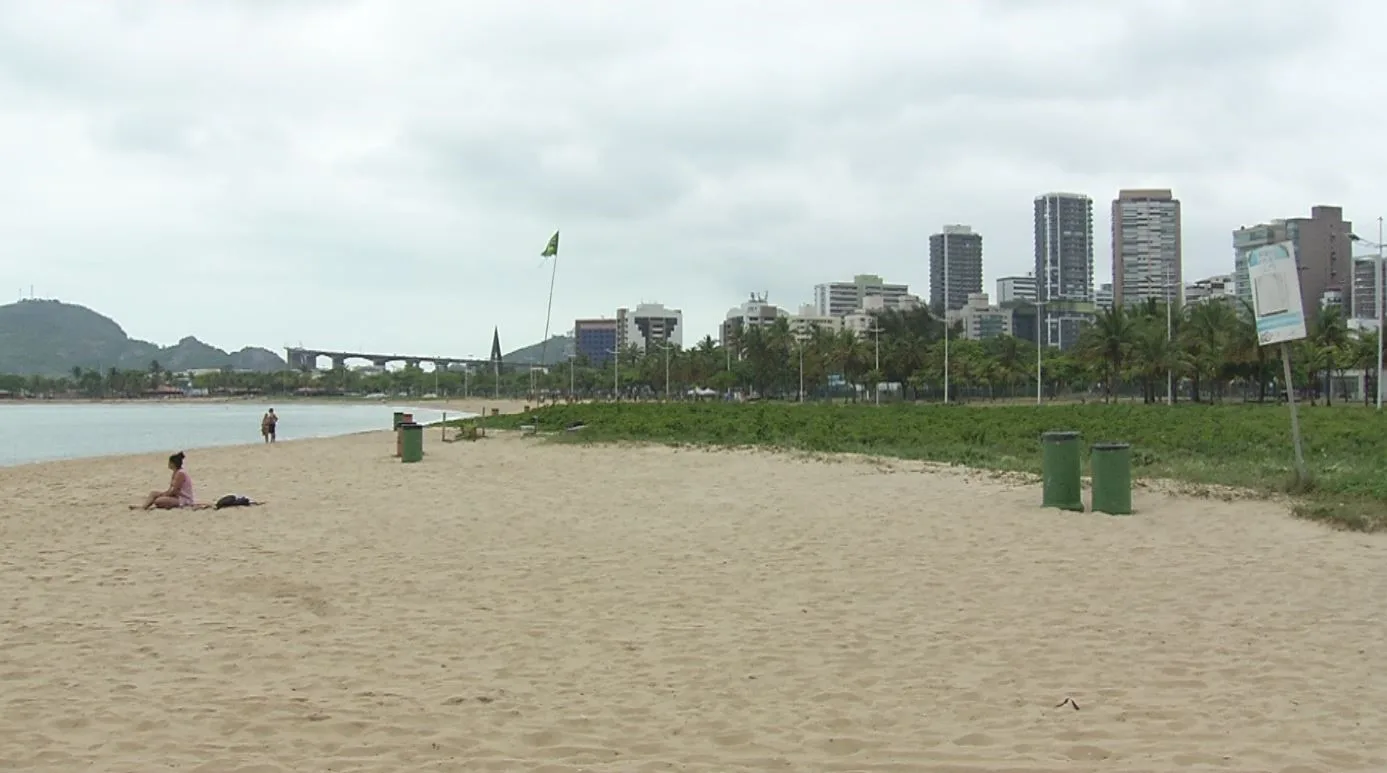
[(382, 175)]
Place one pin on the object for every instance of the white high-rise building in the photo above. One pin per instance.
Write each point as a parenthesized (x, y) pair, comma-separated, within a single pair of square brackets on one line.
[(1146, 262), (836, 299), (1013, 289), (649, 324)]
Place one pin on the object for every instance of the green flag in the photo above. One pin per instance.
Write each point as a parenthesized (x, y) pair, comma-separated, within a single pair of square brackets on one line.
[(551, 249)]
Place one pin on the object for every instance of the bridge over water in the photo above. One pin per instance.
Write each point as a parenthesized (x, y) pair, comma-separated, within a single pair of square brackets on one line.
[(307, 359)]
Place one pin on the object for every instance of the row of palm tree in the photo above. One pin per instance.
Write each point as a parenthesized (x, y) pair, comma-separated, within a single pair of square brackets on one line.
[(1205, 352)]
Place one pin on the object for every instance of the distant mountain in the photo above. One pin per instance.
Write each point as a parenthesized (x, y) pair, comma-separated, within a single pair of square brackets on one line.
[(558, 351), (50, 338)]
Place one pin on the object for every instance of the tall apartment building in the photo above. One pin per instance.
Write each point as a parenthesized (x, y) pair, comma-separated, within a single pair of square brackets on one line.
[(755, 312), (1323, 251), (1146, 260), (835, 299), (1013, 289), (955, 267), (595, 339), (1064, 265), (1365, 288), (649, 325)]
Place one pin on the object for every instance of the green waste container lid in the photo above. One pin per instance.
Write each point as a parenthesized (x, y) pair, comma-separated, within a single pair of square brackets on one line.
[(1058, 436), (1111, 446)]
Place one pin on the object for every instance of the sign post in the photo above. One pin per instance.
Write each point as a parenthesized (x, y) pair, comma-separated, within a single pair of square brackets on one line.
[(1274, 273)]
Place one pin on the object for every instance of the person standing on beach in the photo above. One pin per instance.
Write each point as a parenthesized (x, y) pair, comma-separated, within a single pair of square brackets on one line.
[(267, 425)]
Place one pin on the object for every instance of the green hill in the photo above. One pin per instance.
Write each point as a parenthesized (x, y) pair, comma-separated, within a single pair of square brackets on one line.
[(50, 338), (558, 351)]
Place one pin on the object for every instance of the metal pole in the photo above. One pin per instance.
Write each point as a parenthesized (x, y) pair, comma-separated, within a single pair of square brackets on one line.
[(1041, 324), (667, 348), (876, 388), (801, 371), (1169, 339), (945, 237), (616, 374), (570, 377), (1377, 309)]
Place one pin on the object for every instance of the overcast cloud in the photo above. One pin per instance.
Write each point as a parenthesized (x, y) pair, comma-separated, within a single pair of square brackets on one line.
[(383, 174)]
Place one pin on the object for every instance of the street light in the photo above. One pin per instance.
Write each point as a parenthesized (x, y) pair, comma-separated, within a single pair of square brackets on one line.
[(945, 237), (1042, 323), (1169, 339), (1377, 303), (572, 358), (875, 330), (666, 346), (616, 373), (801, 369)]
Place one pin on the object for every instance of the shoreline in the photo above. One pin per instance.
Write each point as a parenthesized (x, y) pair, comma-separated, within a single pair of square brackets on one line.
[(442, 410)]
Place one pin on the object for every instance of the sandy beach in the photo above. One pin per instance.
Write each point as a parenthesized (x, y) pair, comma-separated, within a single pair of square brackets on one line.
[(509, 605)]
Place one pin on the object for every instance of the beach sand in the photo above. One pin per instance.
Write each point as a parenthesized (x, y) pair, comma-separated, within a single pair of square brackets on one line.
[(509, 605)]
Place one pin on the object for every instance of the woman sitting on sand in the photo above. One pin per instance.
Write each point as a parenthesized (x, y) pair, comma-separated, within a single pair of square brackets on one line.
[(180, 490)]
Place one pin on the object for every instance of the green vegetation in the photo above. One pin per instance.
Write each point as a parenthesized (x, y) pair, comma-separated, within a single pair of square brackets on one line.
[(48, 339), (1211, 355), (1239, 446)]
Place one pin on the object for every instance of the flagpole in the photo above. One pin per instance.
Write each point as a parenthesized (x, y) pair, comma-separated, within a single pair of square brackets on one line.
[(550, 251), (548, 311)]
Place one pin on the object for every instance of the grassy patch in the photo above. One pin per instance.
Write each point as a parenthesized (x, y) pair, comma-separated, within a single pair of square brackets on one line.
[(1242, 446)]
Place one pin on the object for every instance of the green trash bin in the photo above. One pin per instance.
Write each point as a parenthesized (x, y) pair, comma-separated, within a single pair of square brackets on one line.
[(1061, 471), (411, 442), (399, 419), (1111, 464)]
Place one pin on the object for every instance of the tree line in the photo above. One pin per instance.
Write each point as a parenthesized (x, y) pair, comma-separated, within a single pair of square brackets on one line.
[(1209, 352)]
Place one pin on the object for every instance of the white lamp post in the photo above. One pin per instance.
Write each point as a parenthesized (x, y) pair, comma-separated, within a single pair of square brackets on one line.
[(1042, 334), (876, 388), (616, 372), (1377, 304), (945, 237)]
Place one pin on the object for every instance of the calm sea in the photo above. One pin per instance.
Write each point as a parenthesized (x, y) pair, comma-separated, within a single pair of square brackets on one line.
[(31, 432)]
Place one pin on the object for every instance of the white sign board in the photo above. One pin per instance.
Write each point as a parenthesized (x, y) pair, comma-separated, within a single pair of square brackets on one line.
[(1275, 278)]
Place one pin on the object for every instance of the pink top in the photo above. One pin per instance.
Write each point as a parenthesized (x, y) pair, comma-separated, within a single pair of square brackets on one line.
[(185, 489)]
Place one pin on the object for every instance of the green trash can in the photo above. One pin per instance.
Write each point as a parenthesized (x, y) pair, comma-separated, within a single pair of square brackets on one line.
[(1111, 464), (411, 442), (399, 419), (1061, 471)]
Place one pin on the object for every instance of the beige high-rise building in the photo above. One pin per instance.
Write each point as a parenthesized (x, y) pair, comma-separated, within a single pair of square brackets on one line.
[(1324, 252), (1146, 258)]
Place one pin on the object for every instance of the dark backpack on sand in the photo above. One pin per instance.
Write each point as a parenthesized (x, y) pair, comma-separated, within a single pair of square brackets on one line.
[(231, 500)]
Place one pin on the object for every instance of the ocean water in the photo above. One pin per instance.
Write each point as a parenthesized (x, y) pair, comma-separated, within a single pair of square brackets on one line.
[(39, 432)]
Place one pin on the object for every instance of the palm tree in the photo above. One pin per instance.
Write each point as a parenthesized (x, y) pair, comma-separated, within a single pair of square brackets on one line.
[(1208, 339), (1108, 341), (1331, 336)]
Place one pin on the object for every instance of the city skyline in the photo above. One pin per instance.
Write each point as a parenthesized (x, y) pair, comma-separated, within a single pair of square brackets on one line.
[(392, 190)]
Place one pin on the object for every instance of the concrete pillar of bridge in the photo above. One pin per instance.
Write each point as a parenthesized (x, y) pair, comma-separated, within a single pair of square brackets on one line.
[(339, 363), (379, 363), (412, 363)]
